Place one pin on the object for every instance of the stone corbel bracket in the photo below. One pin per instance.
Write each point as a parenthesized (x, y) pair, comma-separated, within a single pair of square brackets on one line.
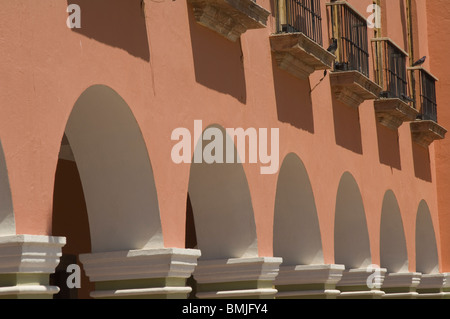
[(299, 55), (229, 18), (393, 112), (425, 132), (353, 87)]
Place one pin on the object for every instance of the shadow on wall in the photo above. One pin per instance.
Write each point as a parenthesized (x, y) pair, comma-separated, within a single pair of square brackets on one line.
[(388, 147), (347, 129), (218, 62), (422, 165), (116, 23), (294, 105)]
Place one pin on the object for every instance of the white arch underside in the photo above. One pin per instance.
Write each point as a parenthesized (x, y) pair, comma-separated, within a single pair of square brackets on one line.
[(427, 260), (297, 236), (115, 171), (393, 253), (351, 237), (222, 208), (7, 220)]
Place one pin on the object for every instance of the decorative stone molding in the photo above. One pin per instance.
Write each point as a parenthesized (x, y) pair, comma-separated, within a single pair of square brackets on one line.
[(353, 87), (299, 55), (229, 18), (353, 284), (308, 281), (147, 273), (401, 285), (26, 261), (237, 277), (393, 112), (425, 132)]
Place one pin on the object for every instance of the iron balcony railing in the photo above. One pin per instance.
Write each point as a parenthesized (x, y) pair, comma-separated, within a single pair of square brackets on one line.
[(390, 69), (349, 28), (423, 87), (300, 16)]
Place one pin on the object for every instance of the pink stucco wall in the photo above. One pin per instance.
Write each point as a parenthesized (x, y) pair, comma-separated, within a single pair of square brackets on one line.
[(171, 71)]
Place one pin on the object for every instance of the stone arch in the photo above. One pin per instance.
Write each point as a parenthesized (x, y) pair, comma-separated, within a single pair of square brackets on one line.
[(393, 252), (427, 260), (221, 203), (297, 237), (351, 236), (7, 220), (115, 172)]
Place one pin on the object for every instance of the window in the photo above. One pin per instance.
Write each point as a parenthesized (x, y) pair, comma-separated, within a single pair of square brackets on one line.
[(300, 16), (349, 28)]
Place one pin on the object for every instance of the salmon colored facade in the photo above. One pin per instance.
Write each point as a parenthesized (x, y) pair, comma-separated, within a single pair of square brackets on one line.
[(87, 118)]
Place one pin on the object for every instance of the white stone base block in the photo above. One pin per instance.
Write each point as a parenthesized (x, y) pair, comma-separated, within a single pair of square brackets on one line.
[(26, 261), (355, 283), (237, 277), (146, 273), (401, 285), (308, 281)]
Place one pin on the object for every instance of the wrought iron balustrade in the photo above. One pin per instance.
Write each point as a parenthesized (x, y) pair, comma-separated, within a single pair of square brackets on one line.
[(428, 96), (300, 16), (390, 69), (349, 28)]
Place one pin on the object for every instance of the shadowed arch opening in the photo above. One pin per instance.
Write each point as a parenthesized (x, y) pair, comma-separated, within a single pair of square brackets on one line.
[(427, 260), (105, 196), (7, 220), (115, 172), (296, 225), (351, 237), (220, 201), (393, 253)]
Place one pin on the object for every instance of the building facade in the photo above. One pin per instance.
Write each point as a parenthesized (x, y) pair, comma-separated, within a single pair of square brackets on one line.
[(224, 149)]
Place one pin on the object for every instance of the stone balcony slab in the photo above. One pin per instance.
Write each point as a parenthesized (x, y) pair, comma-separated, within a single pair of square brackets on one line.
[(299, 55), (229, 18), (353, 87), (393, 112), (425, 132)]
